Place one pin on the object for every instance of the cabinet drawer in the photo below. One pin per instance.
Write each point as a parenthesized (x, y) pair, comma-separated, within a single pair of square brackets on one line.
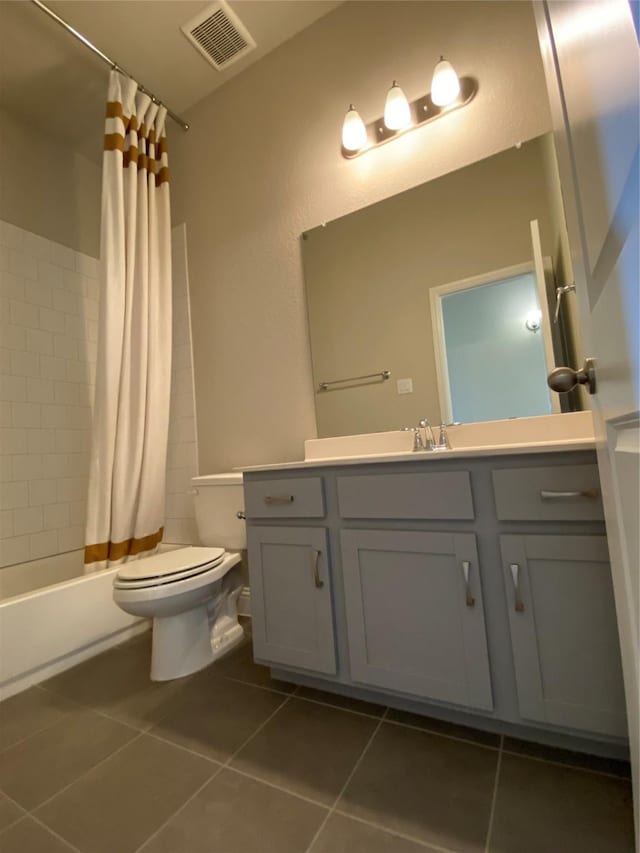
[(435, 495), (564, 493), (294, 498)]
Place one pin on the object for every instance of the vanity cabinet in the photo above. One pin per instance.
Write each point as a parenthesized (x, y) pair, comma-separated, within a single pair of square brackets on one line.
[(291, 597), (563, 631), (415, 616), (464, 588)]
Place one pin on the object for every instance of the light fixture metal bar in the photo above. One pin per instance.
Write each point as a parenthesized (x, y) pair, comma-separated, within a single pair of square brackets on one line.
[(423, 111), (116, 67)]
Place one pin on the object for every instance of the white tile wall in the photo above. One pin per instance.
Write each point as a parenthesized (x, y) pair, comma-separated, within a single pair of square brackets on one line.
[(182, 455), (48, 329)]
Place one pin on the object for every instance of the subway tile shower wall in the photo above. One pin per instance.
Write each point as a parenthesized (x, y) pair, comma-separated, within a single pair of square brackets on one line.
[(48, 341)]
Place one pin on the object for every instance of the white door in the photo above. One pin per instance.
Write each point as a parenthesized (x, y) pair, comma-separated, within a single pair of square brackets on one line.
[(590, 54)]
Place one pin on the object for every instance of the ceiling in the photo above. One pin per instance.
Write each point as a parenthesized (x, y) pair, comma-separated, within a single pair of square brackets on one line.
[(52, 82)]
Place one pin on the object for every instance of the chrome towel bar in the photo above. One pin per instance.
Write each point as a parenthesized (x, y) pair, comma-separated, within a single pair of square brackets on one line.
[(382, 374)]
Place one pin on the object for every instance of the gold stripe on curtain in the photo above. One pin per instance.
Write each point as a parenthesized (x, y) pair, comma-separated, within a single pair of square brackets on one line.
[(131, 153), (113, 551)]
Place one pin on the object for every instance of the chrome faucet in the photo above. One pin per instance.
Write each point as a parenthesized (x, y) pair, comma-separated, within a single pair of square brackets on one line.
[(429, 441), (424, 438)]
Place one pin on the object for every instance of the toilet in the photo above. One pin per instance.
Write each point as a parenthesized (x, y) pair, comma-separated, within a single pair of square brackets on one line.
[(191, 593)]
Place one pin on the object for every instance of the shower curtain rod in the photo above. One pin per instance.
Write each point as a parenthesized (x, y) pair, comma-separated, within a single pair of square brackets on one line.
[(85, 41)]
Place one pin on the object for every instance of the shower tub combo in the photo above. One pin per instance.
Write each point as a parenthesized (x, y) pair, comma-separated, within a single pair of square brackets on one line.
[(37, 636)]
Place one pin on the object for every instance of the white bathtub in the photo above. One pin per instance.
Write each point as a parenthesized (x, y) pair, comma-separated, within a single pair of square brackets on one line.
[(45, 629)]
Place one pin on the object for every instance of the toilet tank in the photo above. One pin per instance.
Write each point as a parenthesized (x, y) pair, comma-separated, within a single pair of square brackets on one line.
[(217, 500)]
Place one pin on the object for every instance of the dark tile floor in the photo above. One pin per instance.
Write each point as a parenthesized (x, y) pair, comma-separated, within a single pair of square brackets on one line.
[(99, 760)]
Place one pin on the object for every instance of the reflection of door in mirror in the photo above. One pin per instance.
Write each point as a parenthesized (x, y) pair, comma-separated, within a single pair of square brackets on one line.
[(489, 338)]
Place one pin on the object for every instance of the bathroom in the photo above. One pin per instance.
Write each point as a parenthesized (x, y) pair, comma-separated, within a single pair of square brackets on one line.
[(238, 758)]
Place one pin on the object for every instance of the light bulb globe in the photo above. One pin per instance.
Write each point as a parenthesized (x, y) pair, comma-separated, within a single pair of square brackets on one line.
[(397, 113), (354, 132), (445, 85)]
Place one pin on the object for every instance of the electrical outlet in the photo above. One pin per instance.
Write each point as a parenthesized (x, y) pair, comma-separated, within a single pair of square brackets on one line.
[(405, 386)]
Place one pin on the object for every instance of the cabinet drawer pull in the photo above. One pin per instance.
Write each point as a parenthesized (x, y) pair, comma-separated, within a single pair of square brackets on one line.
[(552, 495), (315, 559), (515, 574), (278, 499), (466, 568)]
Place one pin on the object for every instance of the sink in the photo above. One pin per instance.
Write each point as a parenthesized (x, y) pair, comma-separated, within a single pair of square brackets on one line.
[(523, 432)]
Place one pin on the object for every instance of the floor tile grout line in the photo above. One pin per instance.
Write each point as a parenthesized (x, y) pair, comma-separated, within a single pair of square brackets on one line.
[(181, 746), (138, 735), (257, 731), (278, 787), (347, 781), (54, 833), (442, 734), (494, 797), (220, 768), (14, 822), (591, 770), (340, 707), (259, 686), (77, 707), (173, 814), (429, 845)]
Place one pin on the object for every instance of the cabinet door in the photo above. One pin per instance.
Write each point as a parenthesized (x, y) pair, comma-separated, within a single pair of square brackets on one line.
[(291, 597), (414, 614), (563, 630)]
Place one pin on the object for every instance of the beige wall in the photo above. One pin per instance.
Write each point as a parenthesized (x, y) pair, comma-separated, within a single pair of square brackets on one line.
[(262, 163), (48, 189), (368, 277)]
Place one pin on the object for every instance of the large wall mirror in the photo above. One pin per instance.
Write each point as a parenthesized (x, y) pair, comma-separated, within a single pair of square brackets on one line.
[(450, 288)]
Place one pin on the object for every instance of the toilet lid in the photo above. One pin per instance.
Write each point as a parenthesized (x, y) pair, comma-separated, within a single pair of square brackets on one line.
[(170, 566)]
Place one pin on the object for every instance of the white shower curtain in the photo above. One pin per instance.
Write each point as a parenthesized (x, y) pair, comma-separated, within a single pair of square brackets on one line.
[(125, 510)]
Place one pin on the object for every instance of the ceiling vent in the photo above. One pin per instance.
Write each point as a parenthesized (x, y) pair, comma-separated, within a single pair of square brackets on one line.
[(219, 35)]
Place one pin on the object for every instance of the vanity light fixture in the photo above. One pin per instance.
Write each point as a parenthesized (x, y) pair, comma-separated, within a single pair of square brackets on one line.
[(448, 93)]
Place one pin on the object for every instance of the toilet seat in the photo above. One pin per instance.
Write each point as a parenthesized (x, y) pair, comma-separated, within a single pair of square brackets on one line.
[(168, 568)]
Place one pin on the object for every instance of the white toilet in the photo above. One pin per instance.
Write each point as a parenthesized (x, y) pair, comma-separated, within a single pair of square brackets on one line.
[(191, 593)]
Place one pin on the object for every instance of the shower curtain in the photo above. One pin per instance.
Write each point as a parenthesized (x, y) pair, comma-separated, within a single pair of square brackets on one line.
[(125, 510)]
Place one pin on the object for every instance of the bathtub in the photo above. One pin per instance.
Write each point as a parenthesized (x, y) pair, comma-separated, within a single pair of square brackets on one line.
[(52, 616)]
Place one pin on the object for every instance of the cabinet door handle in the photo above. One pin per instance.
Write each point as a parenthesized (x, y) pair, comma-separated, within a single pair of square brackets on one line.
[(552, 495), (315, 559), (278, 499), (515, 574), (466, 568)]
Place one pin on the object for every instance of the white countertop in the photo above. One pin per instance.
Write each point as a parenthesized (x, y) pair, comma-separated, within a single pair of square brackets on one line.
[(547, 434), (430, 456)]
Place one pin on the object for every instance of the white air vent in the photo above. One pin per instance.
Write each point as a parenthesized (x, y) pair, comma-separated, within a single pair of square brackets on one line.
[(219, 35)]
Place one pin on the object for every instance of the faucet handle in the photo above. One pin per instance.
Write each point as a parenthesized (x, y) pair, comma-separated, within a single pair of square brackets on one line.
[(429, 438), (418, 442), (443, 438)]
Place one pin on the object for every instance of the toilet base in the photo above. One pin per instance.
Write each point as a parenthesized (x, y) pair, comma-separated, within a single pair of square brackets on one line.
[(184, 644), (181, 644)]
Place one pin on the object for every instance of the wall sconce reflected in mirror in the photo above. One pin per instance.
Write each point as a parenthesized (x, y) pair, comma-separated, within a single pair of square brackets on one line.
[(448, 93), (534, 320)]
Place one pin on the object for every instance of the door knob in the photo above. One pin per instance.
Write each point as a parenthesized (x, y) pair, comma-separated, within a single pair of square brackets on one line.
[(564, 379)]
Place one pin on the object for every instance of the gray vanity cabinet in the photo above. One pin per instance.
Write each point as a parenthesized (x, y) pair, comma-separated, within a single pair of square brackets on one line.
[(563, 631), (291, 597), (415, 617)]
